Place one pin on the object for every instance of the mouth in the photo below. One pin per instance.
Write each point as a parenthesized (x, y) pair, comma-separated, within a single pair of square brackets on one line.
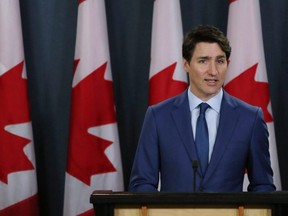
[(211, 81)]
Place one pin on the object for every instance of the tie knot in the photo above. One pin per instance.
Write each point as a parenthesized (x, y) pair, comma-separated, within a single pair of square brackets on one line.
[(203, 107)]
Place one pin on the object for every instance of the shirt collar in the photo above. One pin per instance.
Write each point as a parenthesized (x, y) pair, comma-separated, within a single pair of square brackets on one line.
[(214, 102)]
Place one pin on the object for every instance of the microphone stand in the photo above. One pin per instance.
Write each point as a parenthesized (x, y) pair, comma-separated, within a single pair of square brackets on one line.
[(195, 167)]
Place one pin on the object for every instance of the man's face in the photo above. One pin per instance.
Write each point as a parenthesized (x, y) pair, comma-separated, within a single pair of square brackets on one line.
[(207, 69)]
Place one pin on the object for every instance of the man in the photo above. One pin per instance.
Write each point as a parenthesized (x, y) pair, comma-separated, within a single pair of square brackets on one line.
[(237, 136)]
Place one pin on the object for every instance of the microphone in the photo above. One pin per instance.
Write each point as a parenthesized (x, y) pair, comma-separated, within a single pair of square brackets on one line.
[(195, 167)]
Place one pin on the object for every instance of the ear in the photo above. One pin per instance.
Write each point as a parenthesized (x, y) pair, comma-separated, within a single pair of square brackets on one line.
[(186, 65)]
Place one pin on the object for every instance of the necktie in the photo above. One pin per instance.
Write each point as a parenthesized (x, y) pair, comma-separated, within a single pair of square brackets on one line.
[(202, 138)]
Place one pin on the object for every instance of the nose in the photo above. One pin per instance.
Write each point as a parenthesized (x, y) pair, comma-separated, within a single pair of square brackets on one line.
[(213, 68)]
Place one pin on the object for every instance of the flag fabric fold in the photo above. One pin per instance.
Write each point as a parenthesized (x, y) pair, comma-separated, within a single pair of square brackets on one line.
[(247, 67), (18, 183), (94, 161), (167, 77)]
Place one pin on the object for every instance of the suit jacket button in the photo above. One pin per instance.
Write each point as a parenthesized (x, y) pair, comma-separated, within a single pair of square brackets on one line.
[(201, 189)]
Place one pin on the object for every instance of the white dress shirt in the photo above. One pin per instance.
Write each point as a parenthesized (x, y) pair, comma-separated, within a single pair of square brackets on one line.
[(212, 115)]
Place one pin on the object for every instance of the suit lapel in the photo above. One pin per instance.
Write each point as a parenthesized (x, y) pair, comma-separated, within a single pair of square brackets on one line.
[(182, 119), (227, 122)]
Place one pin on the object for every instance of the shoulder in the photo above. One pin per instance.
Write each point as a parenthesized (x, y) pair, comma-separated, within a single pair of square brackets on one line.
[(178, 105), (240, 106), (238, 103), (171, 103)]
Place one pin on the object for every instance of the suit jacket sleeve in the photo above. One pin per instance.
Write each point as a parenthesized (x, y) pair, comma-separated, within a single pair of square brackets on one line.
[(260, 173), (145, 170)]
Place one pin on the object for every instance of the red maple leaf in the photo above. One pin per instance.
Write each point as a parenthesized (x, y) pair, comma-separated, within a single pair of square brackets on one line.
[(246, 88), (87, 213), (80, 1), (14, 109), (92, 105), (162, 86)]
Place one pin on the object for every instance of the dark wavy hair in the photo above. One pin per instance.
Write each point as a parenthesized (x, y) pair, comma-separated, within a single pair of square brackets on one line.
[(204, 33)]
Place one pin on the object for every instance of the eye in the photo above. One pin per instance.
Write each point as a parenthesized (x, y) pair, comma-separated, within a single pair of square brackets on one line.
[(221, 61), (202, 61)]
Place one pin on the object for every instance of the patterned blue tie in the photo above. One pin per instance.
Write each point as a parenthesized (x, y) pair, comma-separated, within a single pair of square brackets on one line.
[(202, 138)]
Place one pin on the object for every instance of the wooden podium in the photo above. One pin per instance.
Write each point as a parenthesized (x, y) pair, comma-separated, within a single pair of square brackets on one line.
[(187, 204)]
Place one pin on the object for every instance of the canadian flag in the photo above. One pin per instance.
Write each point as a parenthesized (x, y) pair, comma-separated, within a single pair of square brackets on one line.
[(247, 76), (167, 77), (18, 184), (94, 161)]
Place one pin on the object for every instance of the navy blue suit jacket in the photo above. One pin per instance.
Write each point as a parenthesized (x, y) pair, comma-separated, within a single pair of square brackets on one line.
[(166, 147)]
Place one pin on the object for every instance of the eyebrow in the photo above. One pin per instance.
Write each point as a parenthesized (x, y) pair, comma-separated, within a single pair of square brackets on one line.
[(221, 56), (208, 57)]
